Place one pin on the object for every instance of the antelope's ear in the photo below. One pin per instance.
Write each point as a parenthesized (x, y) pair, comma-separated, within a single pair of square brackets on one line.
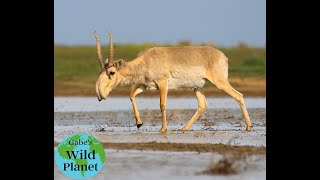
[(119, 64)]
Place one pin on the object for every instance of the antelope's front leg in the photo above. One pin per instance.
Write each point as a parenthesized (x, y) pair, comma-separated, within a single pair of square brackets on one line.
[(163, 87), (135, 91)]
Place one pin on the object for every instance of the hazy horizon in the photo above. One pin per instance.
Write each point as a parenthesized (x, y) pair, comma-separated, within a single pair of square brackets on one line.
[(224, 22)]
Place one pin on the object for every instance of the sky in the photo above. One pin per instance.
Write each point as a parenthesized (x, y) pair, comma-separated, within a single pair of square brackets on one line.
[(222, 22)]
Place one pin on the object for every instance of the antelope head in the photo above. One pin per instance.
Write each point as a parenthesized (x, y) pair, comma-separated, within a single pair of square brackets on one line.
[(109, 73)]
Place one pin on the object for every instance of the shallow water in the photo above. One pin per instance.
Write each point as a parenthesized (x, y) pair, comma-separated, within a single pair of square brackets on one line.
[(87, 104)]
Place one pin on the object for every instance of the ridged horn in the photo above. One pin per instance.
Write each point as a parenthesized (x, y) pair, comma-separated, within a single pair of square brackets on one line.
[(99, 56), (111, 52)]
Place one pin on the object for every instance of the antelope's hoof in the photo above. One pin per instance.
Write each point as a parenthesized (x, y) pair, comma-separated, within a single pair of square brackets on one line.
[(183, 129), (139, 125), (248, 128), (162, 130)]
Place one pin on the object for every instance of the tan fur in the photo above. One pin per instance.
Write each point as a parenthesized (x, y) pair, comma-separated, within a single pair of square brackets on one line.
[(166, 68)]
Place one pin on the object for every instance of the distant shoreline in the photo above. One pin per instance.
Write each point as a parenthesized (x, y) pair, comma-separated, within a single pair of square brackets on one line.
[(209, 92), (249, 87)]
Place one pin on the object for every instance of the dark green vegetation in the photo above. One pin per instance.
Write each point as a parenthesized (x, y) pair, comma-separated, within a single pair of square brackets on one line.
[(76, 67)]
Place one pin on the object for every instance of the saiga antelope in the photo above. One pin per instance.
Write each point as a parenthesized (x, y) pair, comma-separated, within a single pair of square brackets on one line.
[(165, 68)]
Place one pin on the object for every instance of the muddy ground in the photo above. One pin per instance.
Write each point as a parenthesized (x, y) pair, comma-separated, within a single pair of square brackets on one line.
[(172, 155)]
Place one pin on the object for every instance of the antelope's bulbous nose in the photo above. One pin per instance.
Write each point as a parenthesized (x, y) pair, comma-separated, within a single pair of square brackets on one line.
[(103, 96), (100, 98)]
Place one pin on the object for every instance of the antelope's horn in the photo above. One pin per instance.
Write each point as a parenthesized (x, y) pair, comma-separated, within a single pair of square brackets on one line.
[(111, 50), (99, 56)]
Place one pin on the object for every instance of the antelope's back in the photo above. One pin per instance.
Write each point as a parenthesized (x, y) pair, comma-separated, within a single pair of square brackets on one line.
[(189, 61)]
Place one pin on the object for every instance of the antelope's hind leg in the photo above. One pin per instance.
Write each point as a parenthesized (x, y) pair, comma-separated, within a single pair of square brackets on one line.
[(135, 91), (202, 105), (226, 87)]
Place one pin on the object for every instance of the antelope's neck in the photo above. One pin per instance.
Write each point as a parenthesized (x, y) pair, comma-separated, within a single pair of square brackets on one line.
[(133, 72)]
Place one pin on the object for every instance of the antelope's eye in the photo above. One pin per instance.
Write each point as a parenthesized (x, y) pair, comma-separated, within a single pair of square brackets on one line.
[(112, 73)]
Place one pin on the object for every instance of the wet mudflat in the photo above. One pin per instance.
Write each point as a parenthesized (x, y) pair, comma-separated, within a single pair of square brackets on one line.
[(215, 126), (145, 152)]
